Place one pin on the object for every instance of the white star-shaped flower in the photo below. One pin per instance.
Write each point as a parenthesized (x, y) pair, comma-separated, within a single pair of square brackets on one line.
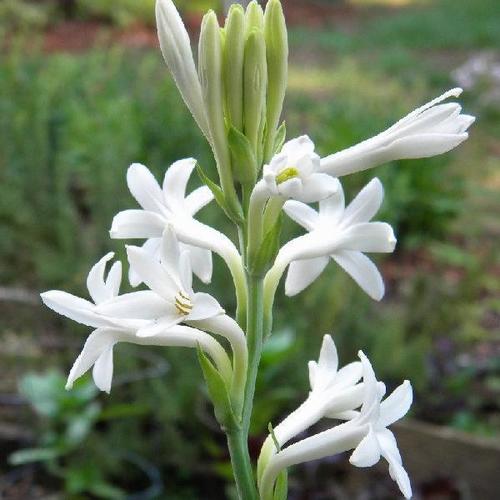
[(295, 173), (122, 327), (161, 207), (170, 300), (377, 415), (340, 233)]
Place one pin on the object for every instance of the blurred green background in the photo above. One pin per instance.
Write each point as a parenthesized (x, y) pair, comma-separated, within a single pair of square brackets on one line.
[(84, 93)]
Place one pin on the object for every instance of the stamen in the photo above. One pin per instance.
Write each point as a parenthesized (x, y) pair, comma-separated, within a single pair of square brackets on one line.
[(287, 174), (183, 303)]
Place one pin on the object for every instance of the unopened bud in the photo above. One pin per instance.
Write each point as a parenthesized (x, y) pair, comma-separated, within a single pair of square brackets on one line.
[(255, 88), (234, 53), (254, 17), (276, 38)]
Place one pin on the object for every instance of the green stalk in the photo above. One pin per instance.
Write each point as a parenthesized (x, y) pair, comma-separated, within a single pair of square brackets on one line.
[(242, 467)]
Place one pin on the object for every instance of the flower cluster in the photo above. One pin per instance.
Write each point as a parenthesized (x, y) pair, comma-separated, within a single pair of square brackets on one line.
[(337, 395), (235, 95)]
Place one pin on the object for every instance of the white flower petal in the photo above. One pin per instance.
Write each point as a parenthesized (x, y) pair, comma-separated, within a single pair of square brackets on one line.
[(185, 272), (198, 199), (145, 188), (318, 187), (291, 188), (137, 224), (96, 344), (161, 325), (390, 452), (170, 256), (363, 271), (366, 204), (175, 184), (103, 370), (298, 147), (396, 406), (368, 237), (176, 49), (302, 273), (302, 214), (343, 401), (152, 273), (95, 280), (114, 279), (74, 308), (313, 371), (371, 402), (367, 453), (332, 209), (328, 361), (348, 375), (144, 304), (201, 262), (424, 145), (152, 248), (204, 307)]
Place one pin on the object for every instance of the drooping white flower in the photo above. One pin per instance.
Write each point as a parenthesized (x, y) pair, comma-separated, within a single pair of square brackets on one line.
[(430, 130), (341, 233), (110, 329), (366, 434), (334, 394), (176, 49), (295, 173), (171, 299), (378, 415)]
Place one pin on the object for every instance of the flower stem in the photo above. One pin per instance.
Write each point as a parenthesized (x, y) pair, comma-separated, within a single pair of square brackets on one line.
[(242, 467)]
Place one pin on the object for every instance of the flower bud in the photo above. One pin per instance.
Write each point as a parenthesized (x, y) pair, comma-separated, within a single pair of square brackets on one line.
[(210, 74), (276, 38), (255, 88), (234, 52), (254, 18)]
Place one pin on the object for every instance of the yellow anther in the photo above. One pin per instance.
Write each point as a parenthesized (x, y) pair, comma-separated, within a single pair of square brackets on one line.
[(183, 304), (286, 175)]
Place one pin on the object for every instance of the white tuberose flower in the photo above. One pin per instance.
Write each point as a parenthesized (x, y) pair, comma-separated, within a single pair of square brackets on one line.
[(176, 49), (430, 130), (98, 349), (340, 233), (295, 173), (163, 207), (171, 299), (378, 415), (334, 394), (367, 434)]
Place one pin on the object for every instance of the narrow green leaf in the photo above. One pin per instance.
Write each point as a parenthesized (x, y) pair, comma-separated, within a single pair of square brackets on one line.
[(243, 157), (218, 391)]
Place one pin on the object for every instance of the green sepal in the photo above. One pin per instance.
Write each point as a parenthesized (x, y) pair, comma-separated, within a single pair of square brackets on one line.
[(243, 157), (280, 138), (235, 216), (281, 488), (268, 249), (218, 392)]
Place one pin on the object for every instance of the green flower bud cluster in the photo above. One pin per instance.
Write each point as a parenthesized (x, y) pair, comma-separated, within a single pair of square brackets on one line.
[(243, 69)]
